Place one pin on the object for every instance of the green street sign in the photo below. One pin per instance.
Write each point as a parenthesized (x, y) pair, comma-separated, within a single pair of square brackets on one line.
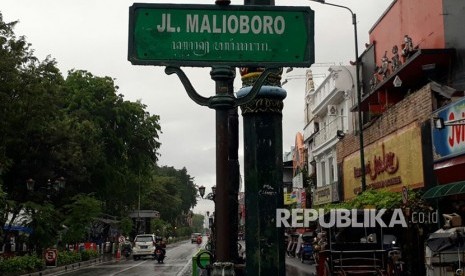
[(207, 35)]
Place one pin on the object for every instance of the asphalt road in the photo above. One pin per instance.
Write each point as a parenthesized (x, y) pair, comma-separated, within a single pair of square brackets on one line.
[(295, 267), (178, 262)]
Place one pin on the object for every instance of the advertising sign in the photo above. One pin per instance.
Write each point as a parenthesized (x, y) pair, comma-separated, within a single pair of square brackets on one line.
[(298, 181), (449, 141), (323, 195), (206, 35), (392, 162)]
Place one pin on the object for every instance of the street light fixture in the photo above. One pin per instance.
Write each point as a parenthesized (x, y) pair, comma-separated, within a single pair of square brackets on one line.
[(58, 184), (359, 92), (211, 195), (439, 123), (30, 184), (201, 191)]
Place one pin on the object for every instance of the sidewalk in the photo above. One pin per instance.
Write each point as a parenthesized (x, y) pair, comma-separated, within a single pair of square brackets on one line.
[(107, 257)]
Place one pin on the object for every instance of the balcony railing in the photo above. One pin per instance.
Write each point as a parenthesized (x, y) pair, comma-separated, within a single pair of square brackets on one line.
[(324, 92), (328, 132)]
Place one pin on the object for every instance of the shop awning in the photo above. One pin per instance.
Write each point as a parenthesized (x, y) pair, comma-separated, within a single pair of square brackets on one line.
[(445, 190)]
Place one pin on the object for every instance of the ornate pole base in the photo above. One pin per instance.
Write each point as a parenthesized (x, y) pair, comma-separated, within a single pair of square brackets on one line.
[(223, 269)]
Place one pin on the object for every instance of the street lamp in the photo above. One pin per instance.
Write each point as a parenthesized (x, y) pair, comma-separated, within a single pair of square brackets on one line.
[(359, 92), (302, 76), (439, 123), (201, 191), (211, 195), (58, 184), (30, 184)]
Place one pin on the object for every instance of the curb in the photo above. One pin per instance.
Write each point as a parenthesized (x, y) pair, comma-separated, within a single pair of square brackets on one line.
[(70, 267), (76, 266)]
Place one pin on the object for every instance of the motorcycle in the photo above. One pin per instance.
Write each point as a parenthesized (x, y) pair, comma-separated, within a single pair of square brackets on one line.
[(159, 253), (126, 249), (306, 253), (292, 244), (306, 249)]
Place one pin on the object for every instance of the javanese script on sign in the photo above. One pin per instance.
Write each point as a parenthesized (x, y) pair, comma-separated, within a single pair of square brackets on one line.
[(197, 35)]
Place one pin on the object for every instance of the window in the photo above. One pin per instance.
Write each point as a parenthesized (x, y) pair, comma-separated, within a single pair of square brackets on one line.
[(323, 173), (342, 119), (331, 170)]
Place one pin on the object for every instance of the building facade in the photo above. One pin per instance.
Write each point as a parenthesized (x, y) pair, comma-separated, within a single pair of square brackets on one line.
[(328, 119)]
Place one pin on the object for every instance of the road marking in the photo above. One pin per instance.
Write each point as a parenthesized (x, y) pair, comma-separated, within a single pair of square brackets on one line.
[(131, 267), (185, 268)]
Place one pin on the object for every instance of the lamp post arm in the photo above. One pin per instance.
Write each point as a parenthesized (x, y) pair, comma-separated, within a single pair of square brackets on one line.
[(219, 100), (344, 7), (198, 99)]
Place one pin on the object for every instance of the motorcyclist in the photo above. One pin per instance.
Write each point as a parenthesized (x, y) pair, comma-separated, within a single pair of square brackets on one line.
[(199, 239), (160, 244), (126, 247)]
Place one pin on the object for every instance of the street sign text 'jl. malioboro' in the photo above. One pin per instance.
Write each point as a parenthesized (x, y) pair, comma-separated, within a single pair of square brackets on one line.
[(206, 35)]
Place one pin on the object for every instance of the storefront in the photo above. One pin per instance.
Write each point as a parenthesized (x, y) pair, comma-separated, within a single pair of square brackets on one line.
[(326, 194), (393, 162), (449, 157)]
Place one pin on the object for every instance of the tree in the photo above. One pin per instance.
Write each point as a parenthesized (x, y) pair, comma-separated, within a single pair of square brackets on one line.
[(172, 193), (78, 217), (30, 132), (121, 135), (45, 222), (81, 129), (198, 223)]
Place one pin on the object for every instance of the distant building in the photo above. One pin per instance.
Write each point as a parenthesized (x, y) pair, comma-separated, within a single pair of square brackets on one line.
[(328, 119)]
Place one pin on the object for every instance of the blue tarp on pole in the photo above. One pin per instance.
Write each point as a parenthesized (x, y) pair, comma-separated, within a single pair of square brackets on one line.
[(23, 229)]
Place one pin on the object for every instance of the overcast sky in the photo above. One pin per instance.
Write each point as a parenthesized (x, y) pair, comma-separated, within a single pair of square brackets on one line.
[(92, 35)]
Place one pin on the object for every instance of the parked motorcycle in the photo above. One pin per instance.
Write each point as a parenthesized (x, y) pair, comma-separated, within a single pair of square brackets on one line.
[(306, 248), (292, 244), (306, 252)]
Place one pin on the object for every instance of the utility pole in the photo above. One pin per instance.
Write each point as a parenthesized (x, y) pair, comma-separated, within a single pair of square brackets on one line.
[(262, 115), (263, 180), (234, 177), (263, 174)]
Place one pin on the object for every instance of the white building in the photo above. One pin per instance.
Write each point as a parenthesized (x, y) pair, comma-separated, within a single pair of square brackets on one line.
[(328, 119)]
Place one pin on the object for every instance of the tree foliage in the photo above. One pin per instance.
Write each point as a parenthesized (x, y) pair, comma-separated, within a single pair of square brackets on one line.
[(381, 199), (197, 223), (79, 215), (82, 129)]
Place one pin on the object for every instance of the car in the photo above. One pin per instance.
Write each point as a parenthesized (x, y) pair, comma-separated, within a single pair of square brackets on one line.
[(194, 237), (144, 245)]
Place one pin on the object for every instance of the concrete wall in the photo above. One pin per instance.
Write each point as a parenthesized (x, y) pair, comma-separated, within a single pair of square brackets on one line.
[(415, 107), (422, 20)]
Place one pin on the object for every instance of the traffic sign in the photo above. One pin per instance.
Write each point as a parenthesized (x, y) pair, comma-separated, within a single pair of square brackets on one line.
[(206, 35), (51, 257), (121, 239), (404, 195)]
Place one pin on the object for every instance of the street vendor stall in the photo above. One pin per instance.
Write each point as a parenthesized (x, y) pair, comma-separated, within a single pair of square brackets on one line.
[(445, 252)]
